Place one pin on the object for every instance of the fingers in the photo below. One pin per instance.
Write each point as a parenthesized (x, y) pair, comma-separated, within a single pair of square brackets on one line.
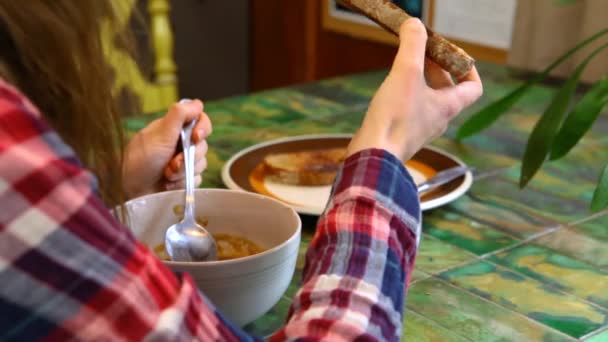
[(412, 46), (436, 77), (472, 76), (173, 166), (198, 179), (174, 171), (462, 95), (202, 129), (469, 89), (175, 176), (186, 111)]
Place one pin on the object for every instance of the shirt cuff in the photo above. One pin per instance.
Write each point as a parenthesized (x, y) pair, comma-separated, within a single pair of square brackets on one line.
[(381, 177)]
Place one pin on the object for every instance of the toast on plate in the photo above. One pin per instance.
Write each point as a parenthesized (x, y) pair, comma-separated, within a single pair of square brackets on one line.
[(309, 167)]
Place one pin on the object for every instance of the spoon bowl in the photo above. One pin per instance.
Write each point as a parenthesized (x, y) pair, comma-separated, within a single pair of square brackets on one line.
[(190, 242)]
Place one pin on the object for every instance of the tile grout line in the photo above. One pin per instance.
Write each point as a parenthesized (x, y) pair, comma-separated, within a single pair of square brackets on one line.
[(553, 287), (419, 280), (556, 196), (412, 311), (447, 269), (519, 239), (555, 251), (595, 333), (589, 218), (496, 227), (504, 307), (475, 257), (522, 242), (484, 259)]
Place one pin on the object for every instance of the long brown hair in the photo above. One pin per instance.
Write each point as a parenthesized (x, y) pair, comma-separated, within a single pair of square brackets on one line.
[(52, 51)]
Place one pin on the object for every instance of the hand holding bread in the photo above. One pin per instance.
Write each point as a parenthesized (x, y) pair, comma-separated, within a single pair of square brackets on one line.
[(416, 101), (413, 105)]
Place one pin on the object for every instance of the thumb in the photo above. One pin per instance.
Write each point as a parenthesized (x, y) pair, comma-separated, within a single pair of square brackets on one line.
[(412, 46)]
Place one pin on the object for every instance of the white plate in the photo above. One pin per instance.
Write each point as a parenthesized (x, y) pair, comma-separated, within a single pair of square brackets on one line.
[(243, 172)]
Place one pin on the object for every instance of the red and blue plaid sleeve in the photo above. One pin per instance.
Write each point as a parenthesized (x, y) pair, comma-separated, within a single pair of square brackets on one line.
[(360, 261), (70, 271)]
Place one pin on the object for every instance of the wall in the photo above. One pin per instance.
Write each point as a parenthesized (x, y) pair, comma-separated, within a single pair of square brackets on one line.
[(289, 46), (211, 47)]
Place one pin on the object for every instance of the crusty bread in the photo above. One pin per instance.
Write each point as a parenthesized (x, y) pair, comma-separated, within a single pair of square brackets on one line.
[(438, 49), (310, 167)]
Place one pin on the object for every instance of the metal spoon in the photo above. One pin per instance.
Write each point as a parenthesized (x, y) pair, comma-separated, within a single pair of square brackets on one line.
[(187, 240)]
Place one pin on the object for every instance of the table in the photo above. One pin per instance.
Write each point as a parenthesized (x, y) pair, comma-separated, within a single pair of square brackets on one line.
[(499, 263)]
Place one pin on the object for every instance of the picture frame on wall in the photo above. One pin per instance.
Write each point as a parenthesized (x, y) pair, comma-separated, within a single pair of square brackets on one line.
[(481, 27), (412, 7), (338, 18)]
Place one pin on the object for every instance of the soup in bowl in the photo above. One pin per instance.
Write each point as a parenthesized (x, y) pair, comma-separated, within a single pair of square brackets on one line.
[(258, 237), (228, 247)]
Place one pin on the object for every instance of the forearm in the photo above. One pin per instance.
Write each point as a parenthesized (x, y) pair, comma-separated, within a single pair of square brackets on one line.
[(361, 258)]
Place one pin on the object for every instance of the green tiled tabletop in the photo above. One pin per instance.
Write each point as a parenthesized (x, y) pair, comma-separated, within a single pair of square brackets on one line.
[(498, 264)]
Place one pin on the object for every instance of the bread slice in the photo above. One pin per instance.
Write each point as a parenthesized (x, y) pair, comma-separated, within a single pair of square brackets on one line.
[(309, 167)]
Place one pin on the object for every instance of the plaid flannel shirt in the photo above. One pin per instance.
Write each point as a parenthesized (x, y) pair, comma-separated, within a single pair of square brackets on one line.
[(69, 270)]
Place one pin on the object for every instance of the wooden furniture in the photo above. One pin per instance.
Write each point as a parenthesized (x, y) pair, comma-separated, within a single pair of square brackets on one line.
[(150, 94)]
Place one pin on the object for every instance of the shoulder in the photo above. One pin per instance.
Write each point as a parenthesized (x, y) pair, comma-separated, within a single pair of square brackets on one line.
[(20, 121), (12, 99), (23, 129), (31, 152)]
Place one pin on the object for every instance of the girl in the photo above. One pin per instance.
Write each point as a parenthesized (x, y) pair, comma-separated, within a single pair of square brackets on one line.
[(69, 270)]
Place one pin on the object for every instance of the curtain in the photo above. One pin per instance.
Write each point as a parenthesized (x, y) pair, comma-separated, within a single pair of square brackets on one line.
[(545, 29)]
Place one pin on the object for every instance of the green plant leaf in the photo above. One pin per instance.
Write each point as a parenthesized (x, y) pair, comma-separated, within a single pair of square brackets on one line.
[(600, 196), (489, 114), (580, 119), (544, 132)]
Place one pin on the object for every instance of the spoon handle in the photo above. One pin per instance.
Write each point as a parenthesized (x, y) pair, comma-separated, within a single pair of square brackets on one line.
[(443, 177), (189, 149)]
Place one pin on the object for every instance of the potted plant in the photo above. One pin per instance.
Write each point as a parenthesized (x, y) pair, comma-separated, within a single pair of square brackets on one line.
[(562, 125)]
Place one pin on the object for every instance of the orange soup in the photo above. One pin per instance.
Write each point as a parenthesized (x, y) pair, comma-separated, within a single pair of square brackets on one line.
[(228, 247)]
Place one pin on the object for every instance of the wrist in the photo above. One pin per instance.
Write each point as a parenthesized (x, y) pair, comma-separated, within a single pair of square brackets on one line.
[(398, 147)]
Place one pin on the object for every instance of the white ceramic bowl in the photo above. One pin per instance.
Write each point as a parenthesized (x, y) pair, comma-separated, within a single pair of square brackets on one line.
[(245, 288)]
